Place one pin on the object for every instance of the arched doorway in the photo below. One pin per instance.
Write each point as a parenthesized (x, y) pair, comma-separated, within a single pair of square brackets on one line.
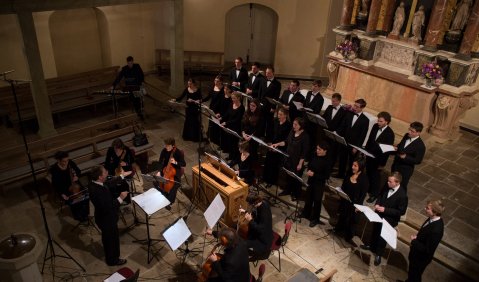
[(78, 40), (251, 33)]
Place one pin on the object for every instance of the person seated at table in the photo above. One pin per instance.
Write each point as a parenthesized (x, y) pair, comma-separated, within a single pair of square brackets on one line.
[(172, 160), (64, 176)]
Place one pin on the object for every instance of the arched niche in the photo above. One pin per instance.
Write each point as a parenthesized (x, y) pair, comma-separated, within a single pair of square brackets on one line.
[(80, 40), (251, 31)]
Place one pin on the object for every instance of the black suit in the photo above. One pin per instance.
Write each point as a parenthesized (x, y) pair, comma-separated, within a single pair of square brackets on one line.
[(316, 104), (288, 98), (414, 154), (106, 217), (272, 91), (334, 123), (234, 265), (395, 206), (256, 84), (355, 135), (242, 77), (423, 248), (372, 164)]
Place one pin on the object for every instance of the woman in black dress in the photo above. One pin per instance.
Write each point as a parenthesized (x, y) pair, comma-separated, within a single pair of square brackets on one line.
[(318, 172), (297, 148), (245, 164), (281, 129), (232, 120), (119, 159), (355, 186), (64, 173), (192, 126), (253, 124), (216, 94)]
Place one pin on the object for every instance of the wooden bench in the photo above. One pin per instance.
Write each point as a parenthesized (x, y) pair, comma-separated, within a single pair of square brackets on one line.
[(84, 145), (194, 61), (65, 93)]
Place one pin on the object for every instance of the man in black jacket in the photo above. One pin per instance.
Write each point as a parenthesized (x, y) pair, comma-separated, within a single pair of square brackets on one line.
[(424, 244), (239, 75), (106, 214), (381, 133), (234, 264), (254, 81), (133, 78), (334, 115), (410, 152), (314, 101), (354, 129), (271, 88), (391, 205)]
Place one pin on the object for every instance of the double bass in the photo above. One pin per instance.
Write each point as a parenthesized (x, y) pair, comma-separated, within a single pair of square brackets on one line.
[(207, 269), (169, 173)]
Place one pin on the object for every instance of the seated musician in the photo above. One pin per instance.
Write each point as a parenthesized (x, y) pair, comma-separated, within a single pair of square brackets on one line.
[(65, 175), (119, 159), (260, 226), (234, 264), (171, 162)]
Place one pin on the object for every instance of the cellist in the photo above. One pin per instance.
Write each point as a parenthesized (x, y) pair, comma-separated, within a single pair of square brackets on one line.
[(171, 161)]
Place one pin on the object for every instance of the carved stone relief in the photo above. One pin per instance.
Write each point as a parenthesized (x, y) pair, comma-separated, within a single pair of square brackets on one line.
[(394, 55)]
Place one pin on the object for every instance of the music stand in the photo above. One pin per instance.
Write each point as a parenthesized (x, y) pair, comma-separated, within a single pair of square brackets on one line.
[(339, 192), (213, 213), (334, 136), (79, 198), (317, 119), (363, 151), (175, 235), (231, 132), (294, 215), (150, 202)]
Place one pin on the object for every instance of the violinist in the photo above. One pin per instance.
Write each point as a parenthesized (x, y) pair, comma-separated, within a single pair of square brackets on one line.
[(260, 226), (234, 264), (119, 159), (64, 174), (171, 161)]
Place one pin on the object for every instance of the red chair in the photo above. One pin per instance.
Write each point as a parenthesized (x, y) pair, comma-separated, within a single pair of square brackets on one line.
[(280, 242), (261, 271)]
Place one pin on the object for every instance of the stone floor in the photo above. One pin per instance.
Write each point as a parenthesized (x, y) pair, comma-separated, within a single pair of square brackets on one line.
[(449, 171)]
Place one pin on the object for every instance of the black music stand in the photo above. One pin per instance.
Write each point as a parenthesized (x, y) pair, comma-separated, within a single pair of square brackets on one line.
[(177, 234), (79, 198), (294, 215), (150, 202)]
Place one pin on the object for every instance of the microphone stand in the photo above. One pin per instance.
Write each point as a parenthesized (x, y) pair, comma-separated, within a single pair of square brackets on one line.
[(49, 251)]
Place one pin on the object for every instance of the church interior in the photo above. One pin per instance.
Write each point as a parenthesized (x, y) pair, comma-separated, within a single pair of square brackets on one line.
[(60, 59)]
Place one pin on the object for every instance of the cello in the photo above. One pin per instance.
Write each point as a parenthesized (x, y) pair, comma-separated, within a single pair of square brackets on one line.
[(242, 226), (169, 173), (207, 269)]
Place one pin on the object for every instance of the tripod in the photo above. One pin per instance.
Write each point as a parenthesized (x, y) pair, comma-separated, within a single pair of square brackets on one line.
[(50, 250), (185, 252)]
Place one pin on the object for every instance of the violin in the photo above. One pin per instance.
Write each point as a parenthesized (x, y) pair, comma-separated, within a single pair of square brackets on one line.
[(169, 173), (207, 269)]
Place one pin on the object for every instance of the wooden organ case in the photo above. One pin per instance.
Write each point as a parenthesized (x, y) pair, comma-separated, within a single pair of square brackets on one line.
[(218, 178)]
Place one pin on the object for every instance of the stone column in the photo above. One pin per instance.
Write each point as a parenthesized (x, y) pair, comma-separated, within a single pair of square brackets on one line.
[(470, 34), (177, 49), (373, 17), (345, 22), (435, 25), (38, 85)]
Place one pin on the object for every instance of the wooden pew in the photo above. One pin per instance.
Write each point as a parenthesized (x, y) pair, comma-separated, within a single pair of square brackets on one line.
[(85, 144), (194, 61), (65, 93)]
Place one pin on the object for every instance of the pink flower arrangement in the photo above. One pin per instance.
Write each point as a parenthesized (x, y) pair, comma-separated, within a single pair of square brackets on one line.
[(431, 70), (347, 48)]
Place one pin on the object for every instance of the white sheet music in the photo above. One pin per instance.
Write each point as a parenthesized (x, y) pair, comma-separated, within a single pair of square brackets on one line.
[(151, 201), (342, 194), (389, 234), (214, 211), (369, 213), (177, 234), (115, 277), (386, 148), (362, 151), (298, 105)]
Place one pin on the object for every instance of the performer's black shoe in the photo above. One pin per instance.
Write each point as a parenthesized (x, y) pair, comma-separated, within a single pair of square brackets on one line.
[(168, 207), (371, 199), (119, 262), (377, 260), (313, 223), (365, 247)]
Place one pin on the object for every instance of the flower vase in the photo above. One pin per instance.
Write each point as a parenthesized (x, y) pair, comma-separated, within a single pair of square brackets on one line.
[(429, 82)]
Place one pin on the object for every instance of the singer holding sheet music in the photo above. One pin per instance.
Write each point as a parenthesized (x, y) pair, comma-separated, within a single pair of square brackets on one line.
[(106, 213), (64, 173), (216, 95), (318, 172), (297, 145), (171, 155), (390, 205), (245, 163), (355, 186), (232, 120), (192, 126), (273, 160), (253, 124)]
